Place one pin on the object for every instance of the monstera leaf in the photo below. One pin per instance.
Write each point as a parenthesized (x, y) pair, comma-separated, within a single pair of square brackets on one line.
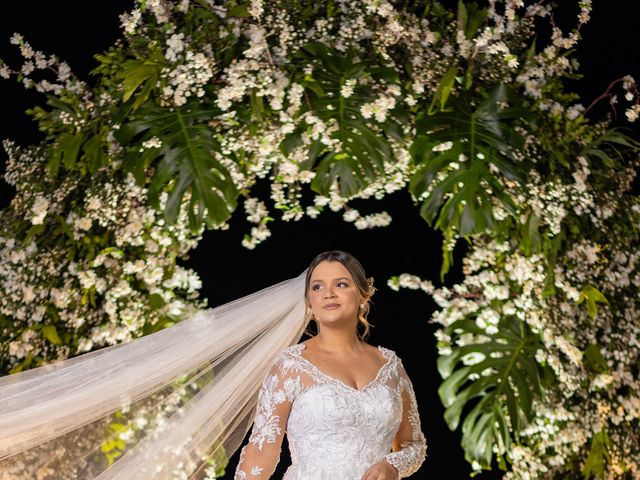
[(459, 155), (184, 161), (364, 150), (610, 148), (141, 76), (495, 392)]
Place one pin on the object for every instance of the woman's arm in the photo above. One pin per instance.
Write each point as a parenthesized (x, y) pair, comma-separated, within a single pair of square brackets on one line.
[(409, 445), (260, 456)]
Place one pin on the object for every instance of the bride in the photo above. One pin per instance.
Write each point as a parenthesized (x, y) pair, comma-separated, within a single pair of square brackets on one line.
[(343, 403), (176, 404)]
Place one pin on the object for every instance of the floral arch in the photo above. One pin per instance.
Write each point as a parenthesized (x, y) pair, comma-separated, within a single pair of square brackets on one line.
[(342, 101)]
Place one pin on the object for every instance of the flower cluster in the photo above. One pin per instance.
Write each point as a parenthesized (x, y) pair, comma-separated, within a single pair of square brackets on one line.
[(188, 79), (36, 61), (256, 213), (122, 277)]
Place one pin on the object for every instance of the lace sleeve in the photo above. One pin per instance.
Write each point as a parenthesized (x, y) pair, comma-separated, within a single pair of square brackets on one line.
[(260, 456), (409, 445)]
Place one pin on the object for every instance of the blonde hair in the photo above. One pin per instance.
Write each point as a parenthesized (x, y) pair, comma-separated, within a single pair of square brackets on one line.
[(363, 284)]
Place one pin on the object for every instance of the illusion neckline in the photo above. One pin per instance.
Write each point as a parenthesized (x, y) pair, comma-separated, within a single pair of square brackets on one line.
[(385, 353)]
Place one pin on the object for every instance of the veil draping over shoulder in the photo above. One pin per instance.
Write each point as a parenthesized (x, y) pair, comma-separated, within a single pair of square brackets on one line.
[(154, 407)]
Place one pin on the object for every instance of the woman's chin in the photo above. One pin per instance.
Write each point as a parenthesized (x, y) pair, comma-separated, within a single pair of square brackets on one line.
[(334, 321)]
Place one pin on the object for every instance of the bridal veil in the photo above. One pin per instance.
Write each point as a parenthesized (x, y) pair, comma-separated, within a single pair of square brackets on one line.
[(173, 404)]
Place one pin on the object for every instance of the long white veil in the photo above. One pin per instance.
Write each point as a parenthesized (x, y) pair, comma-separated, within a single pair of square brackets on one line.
[(173, 404)]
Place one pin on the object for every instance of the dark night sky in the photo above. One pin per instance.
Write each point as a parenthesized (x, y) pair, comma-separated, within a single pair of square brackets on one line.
[(74, 30)]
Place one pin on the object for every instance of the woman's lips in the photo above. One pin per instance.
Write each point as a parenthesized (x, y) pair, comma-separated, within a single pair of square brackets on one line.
[(331, 306)]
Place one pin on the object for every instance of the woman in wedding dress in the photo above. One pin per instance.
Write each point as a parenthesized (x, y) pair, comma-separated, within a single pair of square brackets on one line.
[(348, 408)]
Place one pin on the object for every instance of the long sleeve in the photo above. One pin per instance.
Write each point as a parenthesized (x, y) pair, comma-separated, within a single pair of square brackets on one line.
[(260, 456), (409, 445)]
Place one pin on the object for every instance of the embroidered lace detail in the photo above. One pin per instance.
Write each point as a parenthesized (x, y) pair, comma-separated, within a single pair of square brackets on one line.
[(334, 430), (267, 423)]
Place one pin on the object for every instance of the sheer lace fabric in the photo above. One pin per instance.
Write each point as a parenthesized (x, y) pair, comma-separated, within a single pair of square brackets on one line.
[(334, 430), (173, 404)]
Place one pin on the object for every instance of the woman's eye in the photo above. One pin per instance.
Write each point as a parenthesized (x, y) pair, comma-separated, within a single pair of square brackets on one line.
[(317, 285)]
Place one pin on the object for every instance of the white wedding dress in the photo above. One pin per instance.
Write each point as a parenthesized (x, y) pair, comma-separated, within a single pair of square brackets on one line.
[(334, 431)]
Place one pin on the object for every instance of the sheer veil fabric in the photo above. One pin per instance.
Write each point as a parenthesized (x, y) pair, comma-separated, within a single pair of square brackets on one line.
[(154, 407)]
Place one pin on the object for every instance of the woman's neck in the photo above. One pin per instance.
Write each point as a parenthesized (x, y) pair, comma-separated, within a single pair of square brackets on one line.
[(338, 340)]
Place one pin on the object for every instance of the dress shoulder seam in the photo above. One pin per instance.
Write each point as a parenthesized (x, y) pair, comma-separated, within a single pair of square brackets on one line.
[(292, 349), (389, 353)]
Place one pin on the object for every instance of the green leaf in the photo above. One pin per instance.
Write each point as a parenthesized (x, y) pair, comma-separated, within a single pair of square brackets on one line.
[(592, 296), (17, 369), (33, 232), (596, 463), (93, 153), (531, 51), (530, 241), (343, 169), (137, 73), (70, 146), (444, 89), (156, 301), (470, 18), (593, 360), (462, 15), (604, 148), (514, 414), (290, 143), (53, 165), (113, 446), (186, 162), (476, 423), (50, 333), (501, 385), (360, 161), (241, 11), (220, 460), (26, 363), (461, 154)]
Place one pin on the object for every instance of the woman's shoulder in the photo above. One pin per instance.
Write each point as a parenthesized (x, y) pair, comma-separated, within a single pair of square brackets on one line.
[(393, 359), (387, 351), (292, 350), (389, 354), (288, 354)]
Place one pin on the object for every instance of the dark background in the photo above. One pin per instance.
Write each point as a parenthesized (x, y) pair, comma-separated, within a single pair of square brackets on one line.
[(75, 30)]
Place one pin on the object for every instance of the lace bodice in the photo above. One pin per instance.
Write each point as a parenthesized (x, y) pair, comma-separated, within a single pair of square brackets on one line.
[(334, 430)]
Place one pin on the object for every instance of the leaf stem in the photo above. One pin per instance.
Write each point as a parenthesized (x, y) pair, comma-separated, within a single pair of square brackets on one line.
[(505, 376), (472, 150), (602, 96)]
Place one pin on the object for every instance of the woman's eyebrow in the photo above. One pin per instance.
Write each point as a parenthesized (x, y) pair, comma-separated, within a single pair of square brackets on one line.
[(339, 278)]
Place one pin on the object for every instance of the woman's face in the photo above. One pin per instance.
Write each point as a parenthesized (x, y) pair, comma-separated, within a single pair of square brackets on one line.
[(333, 296)]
